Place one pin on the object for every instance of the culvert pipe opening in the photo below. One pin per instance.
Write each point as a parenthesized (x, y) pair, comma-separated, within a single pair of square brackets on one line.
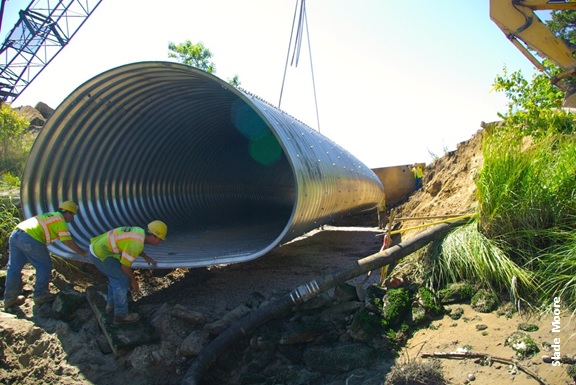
[(231, 175)]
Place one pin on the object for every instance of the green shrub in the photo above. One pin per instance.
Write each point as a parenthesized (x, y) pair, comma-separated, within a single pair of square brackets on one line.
[(10, 181), (10, 216), (15, 140)]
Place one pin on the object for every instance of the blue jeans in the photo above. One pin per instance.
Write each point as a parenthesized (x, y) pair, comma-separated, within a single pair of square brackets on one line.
[(417, 184), (23, 248), (118, 283)]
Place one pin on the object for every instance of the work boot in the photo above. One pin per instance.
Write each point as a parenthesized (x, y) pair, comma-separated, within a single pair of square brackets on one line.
[(126, 319), (44, 298), (8, 303)]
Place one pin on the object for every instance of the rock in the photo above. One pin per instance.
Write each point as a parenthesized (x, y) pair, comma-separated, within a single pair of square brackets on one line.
[(430, 302), (375, 291), (66, 302), (340, 310), (194, 343), (522, 344), (142, 357), (456, 313), (484, 301), (345, 293), (219, 326), (192, 317), (419, 316), (527, 327), (395, 306), (456, 293), (44, 110), (363, 331)]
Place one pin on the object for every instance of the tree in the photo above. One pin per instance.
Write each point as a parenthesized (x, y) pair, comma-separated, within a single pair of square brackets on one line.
[(194, 55), (534, 106), (197, 56), (563, 25), (13, 146), (235, 81)]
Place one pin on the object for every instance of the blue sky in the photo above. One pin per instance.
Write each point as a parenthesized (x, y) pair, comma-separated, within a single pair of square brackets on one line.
[(396, 82)]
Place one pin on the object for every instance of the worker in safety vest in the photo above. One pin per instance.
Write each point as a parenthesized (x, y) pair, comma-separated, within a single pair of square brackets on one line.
[(28, 243), (113, 254), (418, 174)]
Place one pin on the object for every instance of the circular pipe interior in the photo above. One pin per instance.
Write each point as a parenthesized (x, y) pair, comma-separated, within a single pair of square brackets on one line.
[(231, 175)]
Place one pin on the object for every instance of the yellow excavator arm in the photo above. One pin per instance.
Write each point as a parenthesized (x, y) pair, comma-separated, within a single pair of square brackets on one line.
[(516, 18)]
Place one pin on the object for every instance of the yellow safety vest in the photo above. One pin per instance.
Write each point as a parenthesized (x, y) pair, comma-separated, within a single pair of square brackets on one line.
[(418, 173), (47, 227), (123, 243)]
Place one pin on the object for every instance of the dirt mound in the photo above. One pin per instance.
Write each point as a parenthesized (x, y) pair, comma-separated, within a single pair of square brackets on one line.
[(449, 186), (31, 356)]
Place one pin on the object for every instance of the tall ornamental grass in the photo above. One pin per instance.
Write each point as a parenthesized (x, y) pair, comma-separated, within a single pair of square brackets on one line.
[(524, 239), (557, 267), (526, 196), (526, 186), (467, 255)]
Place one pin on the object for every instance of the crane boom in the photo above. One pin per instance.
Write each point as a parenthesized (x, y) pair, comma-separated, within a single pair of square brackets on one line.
[(40, 33)]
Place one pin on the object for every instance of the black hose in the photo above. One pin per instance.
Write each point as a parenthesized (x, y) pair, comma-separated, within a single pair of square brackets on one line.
[(307, 291)]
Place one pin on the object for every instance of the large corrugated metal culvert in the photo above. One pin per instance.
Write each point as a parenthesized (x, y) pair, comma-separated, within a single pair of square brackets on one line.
[(231, 175)]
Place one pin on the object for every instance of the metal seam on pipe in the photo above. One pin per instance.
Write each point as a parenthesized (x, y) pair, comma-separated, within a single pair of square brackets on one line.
[(231, 175)]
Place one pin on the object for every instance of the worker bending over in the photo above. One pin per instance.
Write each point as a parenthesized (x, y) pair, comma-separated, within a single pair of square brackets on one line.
[(29, 243), (113, 254)]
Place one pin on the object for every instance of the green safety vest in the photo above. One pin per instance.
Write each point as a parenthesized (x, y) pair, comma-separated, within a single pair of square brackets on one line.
[(47, 228), (418, 173), (123, 243)]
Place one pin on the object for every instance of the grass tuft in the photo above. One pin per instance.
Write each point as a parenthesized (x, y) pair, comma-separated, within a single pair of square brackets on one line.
[(467, 255)]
